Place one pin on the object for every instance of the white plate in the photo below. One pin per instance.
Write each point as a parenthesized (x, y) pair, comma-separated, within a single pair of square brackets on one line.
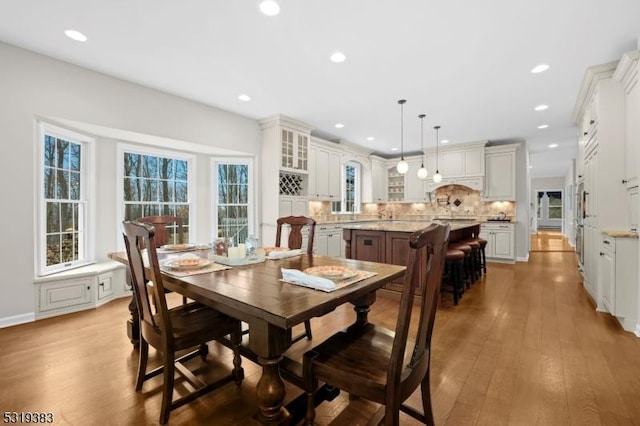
[(334, 273), (178, 247)]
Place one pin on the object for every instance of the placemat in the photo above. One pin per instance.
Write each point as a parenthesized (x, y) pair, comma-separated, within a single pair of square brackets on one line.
[(206, 270), (192, 248), (362, 275)]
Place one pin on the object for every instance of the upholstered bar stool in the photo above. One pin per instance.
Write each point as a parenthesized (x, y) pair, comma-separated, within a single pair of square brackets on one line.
[(454, 274), (468, 272), (475, 256)]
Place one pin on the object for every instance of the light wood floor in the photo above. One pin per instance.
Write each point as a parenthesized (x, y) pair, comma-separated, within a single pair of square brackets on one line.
[(524, 347), (550, 240)]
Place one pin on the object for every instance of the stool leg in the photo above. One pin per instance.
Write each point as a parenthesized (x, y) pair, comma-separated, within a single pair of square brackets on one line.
[(460, 283), (455, 279), (484, 260)]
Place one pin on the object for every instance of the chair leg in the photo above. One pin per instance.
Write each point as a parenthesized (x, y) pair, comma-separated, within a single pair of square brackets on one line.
[(167, 390), (425, 388), (142, 364), (307, 329), (238, 371), (204, 351)]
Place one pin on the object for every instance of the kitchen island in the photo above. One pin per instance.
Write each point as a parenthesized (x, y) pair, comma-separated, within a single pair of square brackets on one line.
[(388, 241)]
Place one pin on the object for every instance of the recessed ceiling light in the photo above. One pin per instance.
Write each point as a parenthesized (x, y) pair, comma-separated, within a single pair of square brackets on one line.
[(394, 149), (338, 57), (553, 145), (338, 125), (541, 107), (543, 126), (75, 35), (371, 138), (244, 98), (269, 7), (444, 141), (540, 68)]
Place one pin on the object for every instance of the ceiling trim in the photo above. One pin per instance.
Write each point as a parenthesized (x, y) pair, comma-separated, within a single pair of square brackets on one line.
[(592, 77), (627, 70)]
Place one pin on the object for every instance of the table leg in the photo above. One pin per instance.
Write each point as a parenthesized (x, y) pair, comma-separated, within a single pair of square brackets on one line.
[(362, 308), (270, 393)]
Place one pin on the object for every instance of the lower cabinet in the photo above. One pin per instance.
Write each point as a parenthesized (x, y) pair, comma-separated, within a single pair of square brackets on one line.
[(327, 241), (79, 289), (500, 241), (618, 280)]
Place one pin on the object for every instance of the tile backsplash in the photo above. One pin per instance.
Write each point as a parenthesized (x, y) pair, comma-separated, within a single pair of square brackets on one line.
[(452, 200)]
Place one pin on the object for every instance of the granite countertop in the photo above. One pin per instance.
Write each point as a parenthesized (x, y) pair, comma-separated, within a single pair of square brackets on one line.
[(405, 226), (615, 233)]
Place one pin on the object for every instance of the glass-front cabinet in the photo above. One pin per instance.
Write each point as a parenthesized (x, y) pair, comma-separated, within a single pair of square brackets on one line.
[(295, 150)]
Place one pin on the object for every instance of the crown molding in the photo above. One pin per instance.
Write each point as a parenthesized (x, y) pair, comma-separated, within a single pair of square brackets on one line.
[(592, 77), (627, 70), (285, 121)]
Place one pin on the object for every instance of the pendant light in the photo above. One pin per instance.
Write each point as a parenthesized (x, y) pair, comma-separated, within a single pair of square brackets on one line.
[(437, 177), (403, 166), (422, 171)]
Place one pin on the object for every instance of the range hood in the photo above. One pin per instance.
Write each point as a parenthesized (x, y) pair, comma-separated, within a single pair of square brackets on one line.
[(474, 183)]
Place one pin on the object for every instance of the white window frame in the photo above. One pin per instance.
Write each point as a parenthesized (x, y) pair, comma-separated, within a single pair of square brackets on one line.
[(146, 150), (86, 253), (252, 202)]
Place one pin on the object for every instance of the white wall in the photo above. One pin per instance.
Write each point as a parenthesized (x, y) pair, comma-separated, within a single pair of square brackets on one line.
[(522, 204), (31, 86), (570, 205)]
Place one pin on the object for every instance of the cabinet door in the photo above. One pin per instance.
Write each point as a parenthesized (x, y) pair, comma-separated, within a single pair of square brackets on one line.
[(474, 162), (503, 244), (302, 152), (320, 244), (66, 294), (322, 173), (414, 187), (378, 182), (368, 245), (451, 163), (333, 168), (487, 235), (334, 244), (607, 279), (313, 192), (632, 134), (634, 202), (287, 147), (500, 176)]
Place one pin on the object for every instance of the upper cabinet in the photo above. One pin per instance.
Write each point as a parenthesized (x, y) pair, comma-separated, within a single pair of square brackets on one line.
[(294, 150), (457, 161), (395, 185), (500, 177), (378, 180), (324, 172), (627, 74)]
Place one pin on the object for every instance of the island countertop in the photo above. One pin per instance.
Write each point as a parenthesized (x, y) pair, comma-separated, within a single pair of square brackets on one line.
[(407, 226)]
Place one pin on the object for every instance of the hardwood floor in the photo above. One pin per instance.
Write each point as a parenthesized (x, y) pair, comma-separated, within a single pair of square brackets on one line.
[(524, 347), (549, 240)]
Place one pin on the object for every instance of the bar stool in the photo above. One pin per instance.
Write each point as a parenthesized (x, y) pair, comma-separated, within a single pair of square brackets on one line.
[(454, 273), (475, 256), (466, 249), (483, 261)]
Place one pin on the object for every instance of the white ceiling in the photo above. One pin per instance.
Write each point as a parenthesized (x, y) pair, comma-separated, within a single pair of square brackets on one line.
[(465, 64)]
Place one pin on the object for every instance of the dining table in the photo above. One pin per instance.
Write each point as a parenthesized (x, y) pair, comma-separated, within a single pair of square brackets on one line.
[(256, 294)]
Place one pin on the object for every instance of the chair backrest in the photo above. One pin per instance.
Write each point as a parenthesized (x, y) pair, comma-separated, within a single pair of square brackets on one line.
[(424, 272), (295, 233), (153, 327), (168, 229)]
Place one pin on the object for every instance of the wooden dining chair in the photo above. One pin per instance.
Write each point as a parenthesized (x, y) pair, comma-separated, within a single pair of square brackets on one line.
[(296, 225), (163, 225), (174, 330), (382, 365)]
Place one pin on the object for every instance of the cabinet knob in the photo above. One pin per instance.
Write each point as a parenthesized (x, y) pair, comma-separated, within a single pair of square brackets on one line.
[(591, 121), (585, 133), (601, 254), (624, 181), (606, 242)]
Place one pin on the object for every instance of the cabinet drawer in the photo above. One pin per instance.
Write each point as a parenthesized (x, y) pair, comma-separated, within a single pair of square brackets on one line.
[(609, 243), (105, 285)]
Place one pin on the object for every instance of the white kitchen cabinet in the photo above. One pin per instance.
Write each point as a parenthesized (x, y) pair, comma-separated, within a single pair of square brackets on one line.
[(324, 173), (618, 279), (294, 149), (500, 169), (457, 161), (627, 74), (634, 202), (293, 206), (500, 241), (414, 187), (475, 183), (328, 241), (378, 180)]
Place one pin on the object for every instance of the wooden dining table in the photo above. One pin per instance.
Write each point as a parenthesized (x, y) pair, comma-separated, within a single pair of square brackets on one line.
[(256, 295)]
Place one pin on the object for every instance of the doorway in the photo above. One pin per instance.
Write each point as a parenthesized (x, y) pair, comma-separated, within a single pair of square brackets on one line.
[(550, 211)]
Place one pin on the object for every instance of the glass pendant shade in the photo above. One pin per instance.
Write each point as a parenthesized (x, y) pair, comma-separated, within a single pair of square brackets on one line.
[(422, 172), (437, 178), (402, 167)]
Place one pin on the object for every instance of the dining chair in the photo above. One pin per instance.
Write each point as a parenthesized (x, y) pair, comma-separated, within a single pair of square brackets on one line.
[(163, 225), (294, 241), (382, 365), (174, 330)]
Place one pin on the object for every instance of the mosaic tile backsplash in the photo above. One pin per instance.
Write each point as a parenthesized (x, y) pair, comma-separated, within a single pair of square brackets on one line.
[(448, 201)]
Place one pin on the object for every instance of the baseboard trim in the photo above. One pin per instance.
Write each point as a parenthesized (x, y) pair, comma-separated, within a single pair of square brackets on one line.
[(17, 319), (522, 259)]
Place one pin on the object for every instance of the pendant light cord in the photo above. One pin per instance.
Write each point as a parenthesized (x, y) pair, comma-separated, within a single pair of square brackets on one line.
[(437, 163), (402, 102), (422, 116)]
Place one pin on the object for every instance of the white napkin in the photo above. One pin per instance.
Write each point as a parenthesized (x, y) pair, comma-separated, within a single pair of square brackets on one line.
[(300, 278), (281, 254)]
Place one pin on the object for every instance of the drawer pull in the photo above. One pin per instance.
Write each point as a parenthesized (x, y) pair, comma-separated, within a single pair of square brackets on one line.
[(368, 242), (606, 242)]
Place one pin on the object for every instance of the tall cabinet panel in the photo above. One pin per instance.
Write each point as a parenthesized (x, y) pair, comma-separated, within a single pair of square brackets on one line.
[(284, 171)]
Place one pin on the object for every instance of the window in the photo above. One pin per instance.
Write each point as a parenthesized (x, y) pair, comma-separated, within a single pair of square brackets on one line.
[(233, 210), (555, 204), (156, 183), (65, 185), (350, 203)]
